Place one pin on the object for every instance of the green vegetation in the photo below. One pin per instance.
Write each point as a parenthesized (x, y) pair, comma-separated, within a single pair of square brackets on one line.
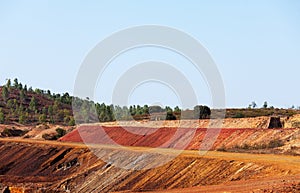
[(247, 112), (59, 133), (202, 112), (265, 105), (239, 115), (269, 145), (2, 118), (32, 106), (5, 93), (28, 106)]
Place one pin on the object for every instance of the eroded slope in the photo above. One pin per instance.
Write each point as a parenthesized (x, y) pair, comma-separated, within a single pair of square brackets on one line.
[(55, 167)]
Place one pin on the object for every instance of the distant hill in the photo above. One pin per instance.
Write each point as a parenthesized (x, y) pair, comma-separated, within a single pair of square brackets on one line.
[(19, 104), (22, 105)]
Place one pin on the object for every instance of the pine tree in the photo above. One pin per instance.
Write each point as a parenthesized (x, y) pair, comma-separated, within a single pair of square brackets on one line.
[(22, 119), (22, 96), (72, 121), (32, 104), (50, 110), (2, 117), (20, 86), (42, 118), (44, 111), (8, 84), (5, 93), (16, 83)]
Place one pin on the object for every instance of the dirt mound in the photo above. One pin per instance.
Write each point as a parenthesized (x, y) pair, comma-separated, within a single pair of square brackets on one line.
[(292, 122), (32, 132), (73, 168)]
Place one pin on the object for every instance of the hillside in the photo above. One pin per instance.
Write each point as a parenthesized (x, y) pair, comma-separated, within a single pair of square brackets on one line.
[(27, 106), (19, 104), (69, 167)]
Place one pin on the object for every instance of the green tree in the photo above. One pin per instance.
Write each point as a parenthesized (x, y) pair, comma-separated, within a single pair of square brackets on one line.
[(170, 116), (109, 113), (56, 106), (50, 110), (177, 110), (25, 88), (253, 104), (22, 118), (146, 110), (59, 116), (38, 91), (201, 112), (42, 118), (32, 104), (22, 96), (66, 119), (265, 105), (167, 108), (44, 110), (10, 104), (5, 93), (2, 117), (139, 110), (8, 84), (132, 110), (20, 109), (72, 121), (16, 83), (20, 86)]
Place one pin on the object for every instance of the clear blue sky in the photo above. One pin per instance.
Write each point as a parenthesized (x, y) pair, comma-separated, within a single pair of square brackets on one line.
[(255, 44)]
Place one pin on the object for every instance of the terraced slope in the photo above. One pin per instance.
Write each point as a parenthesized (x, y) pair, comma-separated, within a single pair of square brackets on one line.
[(186, 138), (41, 166)]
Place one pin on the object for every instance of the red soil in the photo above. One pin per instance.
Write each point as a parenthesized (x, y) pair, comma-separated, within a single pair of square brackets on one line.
[(181, 138)]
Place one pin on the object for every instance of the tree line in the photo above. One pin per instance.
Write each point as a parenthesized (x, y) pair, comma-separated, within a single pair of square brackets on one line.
[(27, 105)]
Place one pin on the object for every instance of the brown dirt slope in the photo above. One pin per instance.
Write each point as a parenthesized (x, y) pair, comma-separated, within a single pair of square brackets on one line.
[(61, 167)]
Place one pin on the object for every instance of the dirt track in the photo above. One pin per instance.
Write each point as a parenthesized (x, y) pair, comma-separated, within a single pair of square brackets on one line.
[(290, 162), (213, 172)]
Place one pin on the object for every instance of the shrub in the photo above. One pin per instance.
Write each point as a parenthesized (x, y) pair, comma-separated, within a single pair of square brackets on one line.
[(71, 122), (60, 132), (170, 116), (42, 118), (239, 115), (270, 145), (201, 112), (275, 143)]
